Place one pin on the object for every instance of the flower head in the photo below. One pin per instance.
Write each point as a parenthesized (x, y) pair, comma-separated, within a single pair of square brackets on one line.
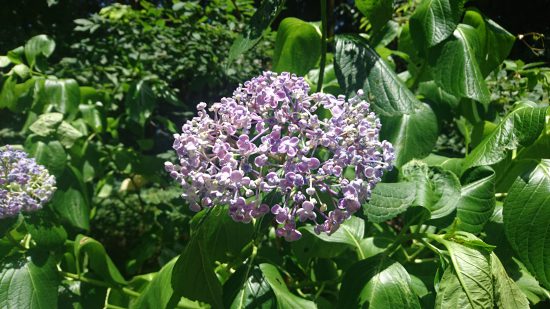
[(24, 184), (271, 137)]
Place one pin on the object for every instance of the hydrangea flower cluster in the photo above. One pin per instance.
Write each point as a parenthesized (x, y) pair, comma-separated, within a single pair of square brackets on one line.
[(270, 138), (24, 184)]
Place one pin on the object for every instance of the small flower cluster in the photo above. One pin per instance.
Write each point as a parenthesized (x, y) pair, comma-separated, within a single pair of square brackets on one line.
[(24, 185), (270, 137)]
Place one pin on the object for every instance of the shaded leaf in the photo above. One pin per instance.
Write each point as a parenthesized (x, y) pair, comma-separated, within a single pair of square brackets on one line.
[(71, 206), (377, 282), (496, 43), (98, 260), (285, 299), (259, 22), (477, 199), (378, 12)]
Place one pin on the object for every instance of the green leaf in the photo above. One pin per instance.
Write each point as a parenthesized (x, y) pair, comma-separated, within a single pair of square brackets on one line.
[(412, 135), (71, 206), (521, 126), (222, 237), (377, 282), (92, 117), (50, 154), (351, 232), (357, 66), (436, 189), (297, 47), (38, 46), (406, 122), (259, 22), (455, 68), (378, 12), (507, 294), (63, 94), (29, 283), (7, 93), (21, 70), (4, 61), (526, 215), (449, 164), (159, 291), (254, 293), (496, 42), (67, 134), (435, 20), (98, 260), (468, 283), (193, 275), (477, 199), (45, 231), (140, 102), (389, 200), (46, 124), (434, 94), (285, 299)]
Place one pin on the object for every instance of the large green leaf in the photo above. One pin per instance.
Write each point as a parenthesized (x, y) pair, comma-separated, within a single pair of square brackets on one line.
[(521, 126), (285, 299), (98, 260), (409, 124), (29, 283), (50, 154), (526, 215), (377, 282), (496, 43), (468, 282), (435, 20), (193, 274), (388, 200), (297, 47), (71, 206), (436, 189), (412, 135), (477, 199), (63, 94), (507, 294), (260, 21), (38, 46), (455, 68), (378, 12)]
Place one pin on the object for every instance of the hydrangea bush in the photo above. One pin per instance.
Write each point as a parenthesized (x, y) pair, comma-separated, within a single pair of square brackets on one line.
[(321, 154), (24, 184)]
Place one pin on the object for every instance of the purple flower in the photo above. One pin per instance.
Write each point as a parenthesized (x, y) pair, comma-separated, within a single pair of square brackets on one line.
[(24, 185), (267, 138)]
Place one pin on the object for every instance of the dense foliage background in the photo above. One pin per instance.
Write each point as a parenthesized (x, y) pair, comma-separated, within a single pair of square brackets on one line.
[(94, 91)]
